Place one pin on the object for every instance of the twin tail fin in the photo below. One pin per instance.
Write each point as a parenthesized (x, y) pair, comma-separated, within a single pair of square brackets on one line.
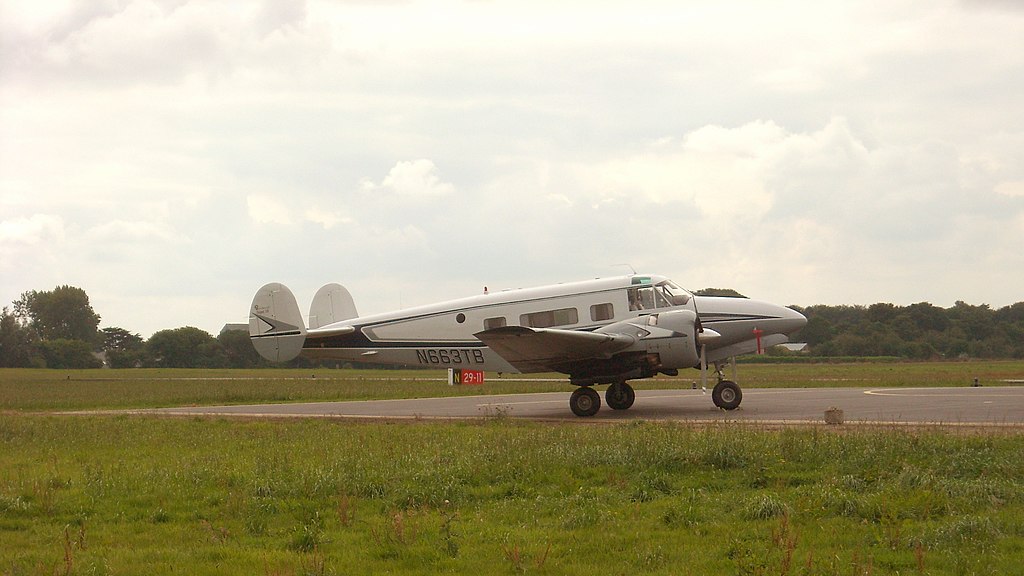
[(275, 322)]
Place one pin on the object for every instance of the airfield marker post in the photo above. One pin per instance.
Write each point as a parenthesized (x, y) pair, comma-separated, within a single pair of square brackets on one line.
[(459, 377)]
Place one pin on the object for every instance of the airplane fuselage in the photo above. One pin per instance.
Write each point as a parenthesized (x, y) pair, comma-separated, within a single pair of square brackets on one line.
[(603, 331), (442, 335)]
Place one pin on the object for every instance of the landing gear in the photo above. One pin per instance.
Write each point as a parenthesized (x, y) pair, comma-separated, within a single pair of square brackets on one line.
[(727, 395), (585, 401), (620, 396)]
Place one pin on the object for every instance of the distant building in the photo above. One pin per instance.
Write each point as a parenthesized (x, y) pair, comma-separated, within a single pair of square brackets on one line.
[(798, 347), (234, 327)]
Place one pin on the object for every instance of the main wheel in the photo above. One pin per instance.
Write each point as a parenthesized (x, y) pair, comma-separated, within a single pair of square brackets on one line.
[(620, 396), (727, 395), (585, 401)]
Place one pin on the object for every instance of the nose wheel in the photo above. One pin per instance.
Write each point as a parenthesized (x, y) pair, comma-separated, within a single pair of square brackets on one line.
[(727, 395)]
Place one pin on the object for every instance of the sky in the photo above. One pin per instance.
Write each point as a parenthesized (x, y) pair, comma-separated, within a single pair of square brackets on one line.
[(169, 157)]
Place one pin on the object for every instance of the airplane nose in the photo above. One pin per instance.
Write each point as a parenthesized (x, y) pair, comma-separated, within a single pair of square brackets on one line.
[(791, 320)]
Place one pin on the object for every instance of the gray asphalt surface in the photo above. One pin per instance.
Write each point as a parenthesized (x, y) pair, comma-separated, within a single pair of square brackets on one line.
[(994, 406)]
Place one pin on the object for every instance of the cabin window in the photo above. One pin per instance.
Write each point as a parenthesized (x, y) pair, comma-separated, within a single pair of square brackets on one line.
[(599, 312), (550, 318), (492, 323)]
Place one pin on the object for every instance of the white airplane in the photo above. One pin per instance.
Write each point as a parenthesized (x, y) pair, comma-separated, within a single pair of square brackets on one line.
[(604, 331)]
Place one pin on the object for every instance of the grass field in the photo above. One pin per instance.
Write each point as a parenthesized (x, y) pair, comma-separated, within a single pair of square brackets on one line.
[(134, 495), (146, 388)]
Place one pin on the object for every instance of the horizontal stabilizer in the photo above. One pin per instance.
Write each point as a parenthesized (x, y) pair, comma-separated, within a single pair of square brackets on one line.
[(330, 331)]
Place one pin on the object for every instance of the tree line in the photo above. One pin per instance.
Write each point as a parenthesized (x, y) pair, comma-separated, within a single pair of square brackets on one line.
[(60, 329), (919, 331)]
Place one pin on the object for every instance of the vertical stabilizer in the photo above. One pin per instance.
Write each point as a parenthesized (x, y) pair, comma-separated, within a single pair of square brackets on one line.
[(275, 323), (332, 303)]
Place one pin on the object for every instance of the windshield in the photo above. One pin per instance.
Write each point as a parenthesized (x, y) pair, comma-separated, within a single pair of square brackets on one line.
[(674, 295), (664, 294)]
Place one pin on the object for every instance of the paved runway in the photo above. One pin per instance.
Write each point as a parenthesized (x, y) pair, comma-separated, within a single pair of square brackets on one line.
[(993, 406)]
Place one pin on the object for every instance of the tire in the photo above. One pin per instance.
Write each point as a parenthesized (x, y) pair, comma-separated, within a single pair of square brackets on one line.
[(727, 395), (620, 396), (585, 401)]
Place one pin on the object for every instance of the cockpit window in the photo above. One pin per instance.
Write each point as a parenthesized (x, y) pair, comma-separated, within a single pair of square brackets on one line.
[(641, 298), (663, 295), (660, 298), (675, 295)]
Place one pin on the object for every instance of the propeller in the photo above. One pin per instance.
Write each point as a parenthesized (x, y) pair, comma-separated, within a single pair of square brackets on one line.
[(702, 340)]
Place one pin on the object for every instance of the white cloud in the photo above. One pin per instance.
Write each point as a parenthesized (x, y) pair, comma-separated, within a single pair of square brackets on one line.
[(327, 219), (33, 229), (724, 173), (281, 14), (806, 153), (411, 178), (134, 231), (266, 210), (559, 201), (30, 247), (1015, 188)]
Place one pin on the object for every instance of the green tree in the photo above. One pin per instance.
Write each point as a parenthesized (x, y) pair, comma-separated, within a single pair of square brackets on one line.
[(186, 347), (721, 292), (64, 353), (19, 346), (882, 312), (63, 313), (977, 322), (927, 317), (238, 350), (123, 349), (1013, 313), (817, 331)]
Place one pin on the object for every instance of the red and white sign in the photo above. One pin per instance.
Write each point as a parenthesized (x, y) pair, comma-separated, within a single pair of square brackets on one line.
[(472, 376), (458, 376)]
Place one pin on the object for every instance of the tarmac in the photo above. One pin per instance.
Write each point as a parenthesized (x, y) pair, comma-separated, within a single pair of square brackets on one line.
[(998, 406)]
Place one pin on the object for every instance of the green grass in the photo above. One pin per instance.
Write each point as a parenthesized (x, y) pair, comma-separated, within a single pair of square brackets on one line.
[(25, 390), (133, 495), (126, 495), (880, 375)]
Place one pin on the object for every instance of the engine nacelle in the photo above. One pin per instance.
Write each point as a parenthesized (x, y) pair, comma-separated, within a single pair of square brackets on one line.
[(673, 337), (664, 341)]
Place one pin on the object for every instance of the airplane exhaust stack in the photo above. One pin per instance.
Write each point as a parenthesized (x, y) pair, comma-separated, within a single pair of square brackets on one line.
[(275, 323)]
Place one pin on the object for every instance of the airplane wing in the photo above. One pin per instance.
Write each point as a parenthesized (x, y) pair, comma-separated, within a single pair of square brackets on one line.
[(550, 349)]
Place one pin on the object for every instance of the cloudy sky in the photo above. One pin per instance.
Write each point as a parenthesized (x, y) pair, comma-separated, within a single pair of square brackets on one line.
[(171, 156)]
